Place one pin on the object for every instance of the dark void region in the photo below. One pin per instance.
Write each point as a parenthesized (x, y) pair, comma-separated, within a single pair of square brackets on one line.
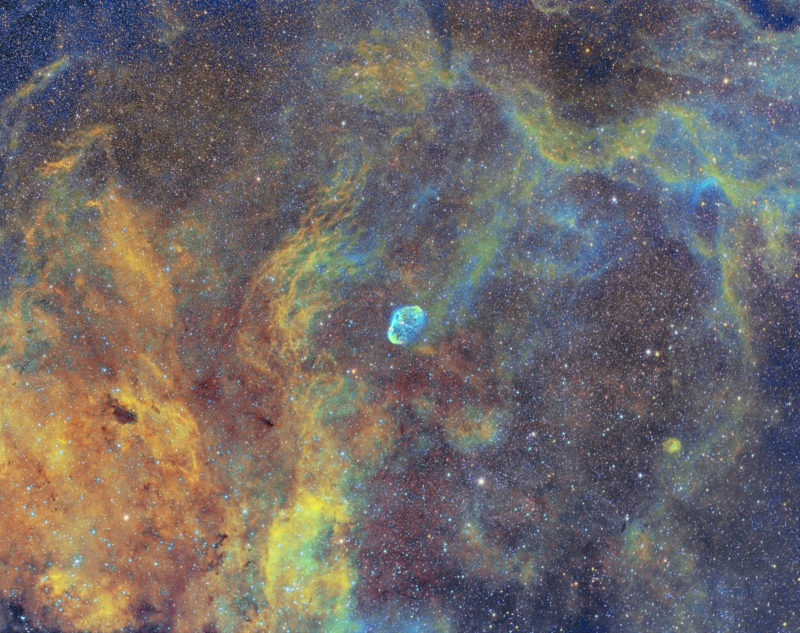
[(590, 59), (15, 619), (776, 310), (35, 34), (403, 557), (636, 302), (29, 34), (436, 11), (27, 38), (9, 260), (773, 14), (708, 202)]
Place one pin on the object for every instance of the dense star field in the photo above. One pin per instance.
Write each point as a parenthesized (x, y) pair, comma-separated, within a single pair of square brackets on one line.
[(400, 316)]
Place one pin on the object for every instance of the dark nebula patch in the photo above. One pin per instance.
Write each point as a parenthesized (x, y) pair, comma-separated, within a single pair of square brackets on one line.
[(120, 413)]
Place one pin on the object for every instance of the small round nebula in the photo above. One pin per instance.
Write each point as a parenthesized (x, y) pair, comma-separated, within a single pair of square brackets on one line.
[(672, 445), (406, 325)]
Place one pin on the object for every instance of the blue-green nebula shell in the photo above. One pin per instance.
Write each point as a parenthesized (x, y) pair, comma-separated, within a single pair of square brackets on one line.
[(406, 325)]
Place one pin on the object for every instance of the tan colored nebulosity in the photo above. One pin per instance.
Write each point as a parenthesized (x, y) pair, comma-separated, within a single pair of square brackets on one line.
[(106, 502)]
